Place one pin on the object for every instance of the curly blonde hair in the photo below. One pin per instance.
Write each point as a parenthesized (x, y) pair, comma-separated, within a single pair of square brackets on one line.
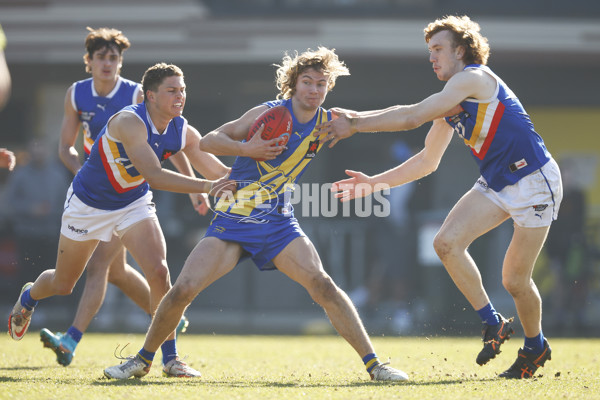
[(103, 37), (323, 59), (466, 34)]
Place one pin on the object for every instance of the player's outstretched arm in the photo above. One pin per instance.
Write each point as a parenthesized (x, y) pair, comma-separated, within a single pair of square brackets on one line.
[(205, 163), (131, 131), (421, 164), (200, 201), (358, 185), (405, 117)]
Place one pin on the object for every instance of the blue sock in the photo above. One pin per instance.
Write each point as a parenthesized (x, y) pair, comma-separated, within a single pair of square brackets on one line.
[(27, 301), (371, 361), (534, 345), (169, 351), (488, 315), (146, 356), (75, 333)]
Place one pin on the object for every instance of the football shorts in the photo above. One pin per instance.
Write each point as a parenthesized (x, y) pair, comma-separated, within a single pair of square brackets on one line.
[(533, 201), (81, 222), (260, 241)]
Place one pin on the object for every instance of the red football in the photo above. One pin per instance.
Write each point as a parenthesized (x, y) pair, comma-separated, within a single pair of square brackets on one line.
[(278, 124)]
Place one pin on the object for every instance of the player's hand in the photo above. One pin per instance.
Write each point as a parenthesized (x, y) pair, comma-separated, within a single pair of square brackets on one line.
[(358, 185), (7, 159), (261, 149), (340, 127), (200, 202), (223, 187)]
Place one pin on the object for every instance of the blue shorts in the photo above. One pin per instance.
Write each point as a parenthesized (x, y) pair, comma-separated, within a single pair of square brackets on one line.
[(260, 241)]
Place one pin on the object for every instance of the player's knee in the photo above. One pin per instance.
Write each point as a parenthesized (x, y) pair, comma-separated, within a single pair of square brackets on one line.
[(158, 274), (516, 286), (182, 293), (442, 245), (322, 288)]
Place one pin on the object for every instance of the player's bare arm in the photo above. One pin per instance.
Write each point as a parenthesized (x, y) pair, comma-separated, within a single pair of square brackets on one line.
[(406, 117), (131, 131), (338, 111), (205, 163), (68, 135), (200, 201), (227, 139), (421, 164)]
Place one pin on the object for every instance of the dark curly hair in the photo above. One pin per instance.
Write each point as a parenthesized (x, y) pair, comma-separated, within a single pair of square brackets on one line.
[(104, 37)]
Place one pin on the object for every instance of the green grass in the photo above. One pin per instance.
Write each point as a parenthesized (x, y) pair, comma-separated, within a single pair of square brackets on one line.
[(296, 367)]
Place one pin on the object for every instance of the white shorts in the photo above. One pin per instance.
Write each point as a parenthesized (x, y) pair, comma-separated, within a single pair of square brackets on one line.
[(533, 201), (81, 222)]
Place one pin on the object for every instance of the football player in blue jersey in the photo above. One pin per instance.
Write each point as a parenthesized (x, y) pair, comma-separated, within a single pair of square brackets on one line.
[(88, 105), (259, 222), (519, 179), (111, 195)]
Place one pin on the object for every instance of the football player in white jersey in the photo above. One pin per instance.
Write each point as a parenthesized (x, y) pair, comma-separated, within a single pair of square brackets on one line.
[(519, 179), (88, 105)]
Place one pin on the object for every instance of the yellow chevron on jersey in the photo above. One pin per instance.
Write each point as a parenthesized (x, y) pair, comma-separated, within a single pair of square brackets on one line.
[(119, 169), (88, 142), (500, 135), (268, 181), (486, 124)]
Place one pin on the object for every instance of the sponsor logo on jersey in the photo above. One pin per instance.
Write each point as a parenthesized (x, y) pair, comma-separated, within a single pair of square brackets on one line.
[(313, 147), (457, 120), (540, 207), (166, 154), (514, 167), (125, 162), (86, 115)]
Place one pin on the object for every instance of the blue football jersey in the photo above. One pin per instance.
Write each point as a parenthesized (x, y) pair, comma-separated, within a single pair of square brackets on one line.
[(94, 111), (108, 180), (500, 135)]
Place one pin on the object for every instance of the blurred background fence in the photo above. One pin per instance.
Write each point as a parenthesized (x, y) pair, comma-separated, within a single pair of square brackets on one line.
[(548, 52)]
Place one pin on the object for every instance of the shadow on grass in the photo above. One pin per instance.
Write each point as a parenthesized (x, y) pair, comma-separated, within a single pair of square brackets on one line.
[(36, 380), (7, 379), (23, 368), (279, 384)]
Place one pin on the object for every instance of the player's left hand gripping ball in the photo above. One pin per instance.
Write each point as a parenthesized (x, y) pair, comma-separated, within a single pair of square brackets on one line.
[(278, 124)]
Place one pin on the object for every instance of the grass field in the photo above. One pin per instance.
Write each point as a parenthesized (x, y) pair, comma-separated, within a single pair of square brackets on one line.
[(297, 367)]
